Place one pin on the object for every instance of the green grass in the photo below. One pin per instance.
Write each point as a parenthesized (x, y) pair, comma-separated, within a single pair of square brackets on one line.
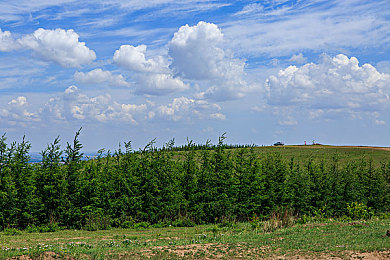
[(326, 152), (301, 153), (331, 238)]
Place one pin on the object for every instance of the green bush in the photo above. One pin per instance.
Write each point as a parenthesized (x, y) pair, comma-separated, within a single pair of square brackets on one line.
[(31, 229), (162, 223), (305, 219), (255, 222), (127, 224), (141, 225), (358, 211), (281, 218), (385, 215), (11, 232), (227, 224), (51, 227), (183, 222), (97, 222)]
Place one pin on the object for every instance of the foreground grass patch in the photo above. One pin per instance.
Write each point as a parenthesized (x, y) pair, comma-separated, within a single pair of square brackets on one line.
[(332, 238)]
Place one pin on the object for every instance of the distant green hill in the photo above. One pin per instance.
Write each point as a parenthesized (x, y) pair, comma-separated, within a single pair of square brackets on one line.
[(327, 152)]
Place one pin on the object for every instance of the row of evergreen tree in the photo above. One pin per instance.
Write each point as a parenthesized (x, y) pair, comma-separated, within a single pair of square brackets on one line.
[(153, 185)]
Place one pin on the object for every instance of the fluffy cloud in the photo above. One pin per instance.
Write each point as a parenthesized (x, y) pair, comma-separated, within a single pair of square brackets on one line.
[(195, 52), (99, 76), (133, 58), (20, 101), (17, 112), (197, 55), (59, 46), (152, 76), (337, 84), (183, 107), (159, 84), (74, 105), (7, 43)]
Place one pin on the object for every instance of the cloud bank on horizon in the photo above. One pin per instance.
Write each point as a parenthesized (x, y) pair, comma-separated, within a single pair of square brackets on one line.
[(291, 70)]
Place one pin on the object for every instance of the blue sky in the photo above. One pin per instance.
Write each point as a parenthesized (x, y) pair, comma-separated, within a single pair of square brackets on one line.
[(261, 71)]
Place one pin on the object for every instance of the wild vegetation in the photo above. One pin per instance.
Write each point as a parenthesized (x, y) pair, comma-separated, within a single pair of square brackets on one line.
[(182, 186), (325, 240)]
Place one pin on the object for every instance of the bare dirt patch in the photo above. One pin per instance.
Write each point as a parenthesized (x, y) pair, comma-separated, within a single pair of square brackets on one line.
[(208, 251), (376, 255), (66, 238), (44, 256)]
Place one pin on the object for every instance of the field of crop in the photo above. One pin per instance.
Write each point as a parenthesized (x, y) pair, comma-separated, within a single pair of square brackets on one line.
[(329, 239)]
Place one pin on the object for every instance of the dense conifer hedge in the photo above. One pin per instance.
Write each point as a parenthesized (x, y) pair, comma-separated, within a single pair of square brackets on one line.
[(193, 183)]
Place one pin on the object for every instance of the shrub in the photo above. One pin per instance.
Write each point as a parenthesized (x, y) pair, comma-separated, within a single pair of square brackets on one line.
[(227, 224), (31, 229), (96, 222), (115, 222), (183, 222), (141, 225), (255, 222), (162, 223), (11, 232), (304, 219), (384, 215), (127, 224), (357, 210), (51, 227), (281, 218)]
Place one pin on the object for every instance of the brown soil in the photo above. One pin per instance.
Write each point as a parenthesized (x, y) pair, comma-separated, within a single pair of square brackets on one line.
[(44, 256), (376, 255), (207, 251), (372, 255), (217, 251)]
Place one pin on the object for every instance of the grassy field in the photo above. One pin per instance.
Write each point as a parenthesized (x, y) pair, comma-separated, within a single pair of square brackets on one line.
[(302, 153), (340, 240), (327, 152)]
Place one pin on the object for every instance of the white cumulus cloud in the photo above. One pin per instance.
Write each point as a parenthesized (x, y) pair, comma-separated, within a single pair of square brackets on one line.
[(197, 54), (75, 105), (133, 58), (152, 76), (7, 43), (99, 76), (60, 46), (187, 108), (159, 84), (335, 84), (17, 112)]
